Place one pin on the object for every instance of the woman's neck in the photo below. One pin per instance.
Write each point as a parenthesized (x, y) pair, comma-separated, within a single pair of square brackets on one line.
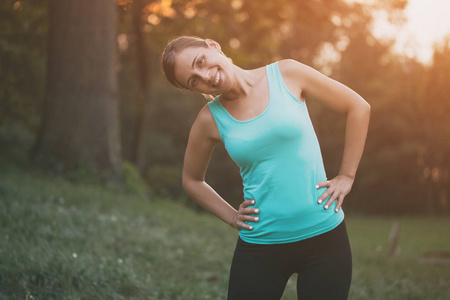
[(243, 83)]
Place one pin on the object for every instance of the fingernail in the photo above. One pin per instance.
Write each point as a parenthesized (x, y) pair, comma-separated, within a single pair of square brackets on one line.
[(256, 210), (253, 201), (326, 206), (336, 210), (320, 201), (317, 186), (256, 219), (250, 227)]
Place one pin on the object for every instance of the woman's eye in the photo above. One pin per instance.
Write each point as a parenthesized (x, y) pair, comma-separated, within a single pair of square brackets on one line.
[(194, 81), (200, 61)]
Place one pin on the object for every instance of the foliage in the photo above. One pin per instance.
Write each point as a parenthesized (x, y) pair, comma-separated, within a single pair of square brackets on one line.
[(133, 180), (15, 141), (405, 146), (63, 240), (22, 61), (84, 174), (404, 168), (251, 33)]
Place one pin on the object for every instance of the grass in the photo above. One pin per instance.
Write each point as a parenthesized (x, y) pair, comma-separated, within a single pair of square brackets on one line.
[(62, 240)]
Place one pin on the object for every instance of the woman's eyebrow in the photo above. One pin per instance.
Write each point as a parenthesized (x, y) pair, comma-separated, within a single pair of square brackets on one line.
[(193, 63)]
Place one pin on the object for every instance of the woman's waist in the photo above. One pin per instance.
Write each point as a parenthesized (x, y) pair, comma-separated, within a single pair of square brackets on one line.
[(275, 192), (272, 229), (286, 208)]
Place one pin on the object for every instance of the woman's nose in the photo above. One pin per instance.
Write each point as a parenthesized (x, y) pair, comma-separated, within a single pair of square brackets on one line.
[(205, 75)]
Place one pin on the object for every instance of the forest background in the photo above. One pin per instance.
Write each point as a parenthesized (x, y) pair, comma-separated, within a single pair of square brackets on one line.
[(82, 92)]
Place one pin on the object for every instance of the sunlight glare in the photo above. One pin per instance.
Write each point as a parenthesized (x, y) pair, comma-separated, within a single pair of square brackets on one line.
[(427, 23)]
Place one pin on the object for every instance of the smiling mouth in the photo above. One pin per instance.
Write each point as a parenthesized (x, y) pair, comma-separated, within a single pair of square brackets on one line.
[(217, 78)]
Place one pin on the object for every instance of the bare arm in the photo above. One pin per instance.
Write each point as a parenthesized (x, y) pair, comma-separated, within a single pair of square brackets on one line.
[(203, 138), (338, 97)]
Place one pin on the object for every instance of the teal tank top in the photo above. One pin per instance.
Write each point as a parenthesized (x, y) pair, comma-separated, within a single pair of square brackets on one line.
[(280, 163)]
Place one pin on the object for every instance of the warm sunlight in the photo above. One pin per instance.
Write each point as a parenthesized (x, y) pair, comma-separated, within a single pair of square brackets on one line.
[(225, 149), (427, 23)]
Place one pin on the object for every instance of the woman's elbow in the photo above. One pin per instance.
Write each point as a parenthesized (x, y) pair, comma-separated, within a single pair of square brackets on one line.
[(187, 182), (367, 109), (362, 107), (367, 106)]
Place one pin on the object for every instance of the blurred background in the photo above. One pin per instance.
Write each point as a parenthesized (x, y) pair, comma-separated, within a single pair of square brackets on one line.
[(54, 69), (83, 99)]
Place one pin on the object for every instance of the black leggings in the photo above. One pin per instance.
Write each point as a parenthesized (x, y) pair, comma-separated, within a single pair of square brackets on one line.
[(323, 264)]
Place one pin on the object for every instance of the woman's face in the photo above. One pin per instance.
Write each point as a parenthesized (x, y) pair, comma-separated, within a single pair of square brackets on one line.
[(204, 69)]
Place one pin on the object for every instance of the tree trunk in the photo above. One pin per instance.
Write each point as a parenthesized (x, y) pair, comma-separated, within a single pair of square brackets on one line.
[(143, 101), (80, 121)]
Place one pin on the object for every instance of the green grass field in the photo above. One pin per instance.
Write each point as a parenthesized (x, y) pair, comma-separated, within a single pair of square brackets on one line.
[(61, 240)]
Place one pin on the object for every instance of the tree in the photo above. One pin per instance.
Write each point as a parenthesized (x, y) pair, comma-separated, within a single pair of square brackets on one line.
[(23, 28), (80, 122), (252, 33), (368, 66), (432, 113)]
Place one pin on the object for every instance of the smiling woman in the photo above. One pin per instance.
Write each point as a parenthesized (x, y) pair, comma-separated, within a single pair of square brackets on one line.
[(202, 69), (178, 45), (290, 220)]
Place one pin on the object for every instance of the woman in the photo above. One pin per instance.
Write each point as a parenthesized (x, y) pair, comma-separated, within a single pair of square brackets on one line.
[(291, 220)]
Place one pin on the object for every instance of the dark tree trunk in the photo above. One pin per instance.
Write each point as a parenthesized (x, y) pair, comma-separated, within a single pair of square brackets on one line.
[(143, 101), (80, 121)]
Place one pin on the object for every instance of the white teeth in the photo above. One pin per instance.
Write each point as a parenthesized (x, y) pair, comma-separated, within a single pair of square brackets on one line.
[(217, 78)]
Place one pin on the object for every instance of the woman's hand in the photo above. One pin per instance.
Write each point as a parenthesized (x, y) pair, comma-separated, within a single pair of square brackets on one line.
[(338, 188), (243, 215)]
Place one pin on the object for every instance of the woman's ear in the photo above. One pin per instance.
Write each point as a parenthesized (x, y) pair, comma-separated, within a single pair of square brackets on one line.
[(214, 44)]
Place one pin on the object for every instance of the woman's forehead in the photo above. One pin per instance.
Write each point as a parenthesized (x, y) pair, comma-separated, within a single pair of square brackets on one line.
[(185, 57), (183, 63)]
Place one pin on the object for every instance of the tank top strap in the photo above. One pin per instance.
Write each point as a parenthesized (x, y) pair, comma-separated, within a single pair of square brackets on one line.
[(279, 92), (276, 83), (220, 115), (225, 121)]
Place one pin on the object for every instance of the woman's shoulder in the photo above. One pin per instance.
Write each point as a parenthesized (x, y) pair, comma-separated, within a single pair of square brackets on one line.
[(206, 124), (291, 67), (292, 72), (300, 74)]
